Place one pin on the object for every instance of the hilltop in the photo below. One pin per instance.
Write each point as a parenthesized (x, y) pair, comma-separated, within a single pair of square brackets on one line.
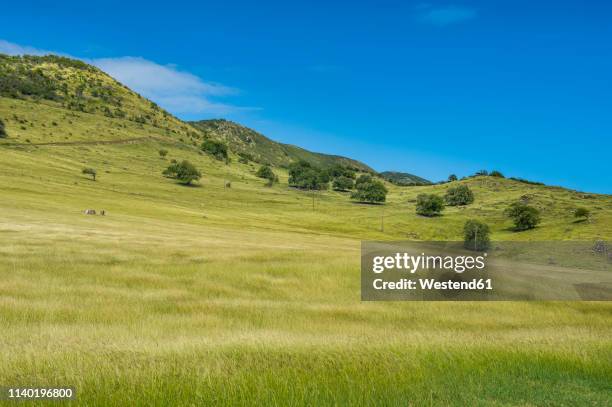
[(249, 143)]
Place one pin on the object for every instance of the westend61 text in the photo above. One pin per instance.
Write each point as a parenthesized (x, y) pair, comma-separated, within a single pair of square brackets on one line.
[(432, 284)]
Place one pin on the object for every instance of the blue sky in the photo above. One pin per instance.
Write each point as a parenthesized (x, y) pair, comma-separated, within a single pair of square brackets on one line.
[(431, 88)]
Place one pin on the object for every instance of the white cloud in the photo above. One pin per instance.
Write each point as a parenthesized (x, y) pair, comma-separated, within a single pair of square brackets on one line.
[(177, 91), (442, 16)]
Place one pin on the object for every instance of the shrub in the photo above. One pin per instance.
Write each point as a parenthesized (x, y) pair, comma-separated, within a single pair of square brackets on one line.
[(524, 216), (368, 189), (215, 148), (163, 153), (429, 205), (343, 183), (2, 129), (304, 175), (184, 172), (265, 172), (582, 213), (459, 195), (497, 174), (452, 178), (482, 172), (89, 171), (476, 235)]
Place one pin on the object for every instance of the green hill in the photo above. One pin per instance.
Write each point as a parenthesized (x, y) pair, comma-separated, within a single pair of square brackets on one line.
[(261, 149), (242, 294), (403, 178)]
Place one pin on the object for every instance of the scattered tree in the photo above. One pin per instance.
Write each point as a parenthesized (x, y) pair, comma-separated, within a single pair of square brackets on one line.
[(215, 148), (265, 172), (476, 235), (2, 129), (343, 183), (482, 173), (459, 195), (304, 175), (497, 174), (184, 172), (163, 153), (90, 171), (524, 216), (429, 205), (452, 178), (583, 213), (368, 189)]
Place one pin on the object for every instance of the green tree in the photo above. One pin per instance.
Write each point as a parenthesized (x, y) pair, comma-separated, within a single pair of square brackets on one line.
[(476, 235), (582, 213), (342, 183), (459, 195), (497, 174), (215, 148), (184, 172), (163, 153), (524, 216), (265, 172), (2, 129), (429, 205), (368, 189), (452, 178), (89, 171), (304, 175)]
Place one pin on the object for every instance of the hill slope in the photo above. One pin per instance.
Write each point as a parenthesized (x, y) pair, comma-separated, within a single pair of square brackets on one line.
[(403, 178), (250, 295), (243, 140)]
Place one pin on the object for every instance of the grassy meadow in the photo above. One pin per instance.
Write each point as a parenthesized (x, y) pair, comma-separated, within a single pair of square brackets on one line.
[(250, 295)]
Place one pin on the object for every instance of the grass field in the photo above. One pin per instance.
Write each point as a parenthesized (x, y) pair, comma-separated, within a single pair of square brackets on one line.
[(250, 295)]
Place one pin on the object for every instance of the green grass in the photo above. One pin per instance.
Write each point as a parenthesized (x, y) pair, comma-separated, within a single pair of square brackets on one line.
[(249, 295)]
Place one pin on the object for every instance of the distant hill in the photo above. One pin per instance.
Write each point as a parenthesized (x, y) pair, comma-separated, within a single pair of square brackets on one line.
[(259, 148), (403, 178)]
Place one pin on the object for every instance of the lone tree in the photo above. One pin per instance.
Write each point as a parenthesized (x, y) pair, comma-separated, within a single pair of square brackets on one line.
[(2, 129), (582, 213), (304, 175), (429, 205), (524, 216), (343, 183), (452, 178), (163, 153), (497, 174), (184, 172), (459, 195), (215, 148), (265, 172), (90, 171), (476, 235), (368, 189)]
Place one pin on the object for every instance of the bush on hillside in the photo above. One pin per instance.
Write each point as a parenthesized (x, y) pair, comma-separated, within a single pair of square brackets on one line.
[(163, 153), (524, 216), (497, 174), (265, 172), (304, 175), (215, 148), (342, 183), (476, 235), (429, 205), (370, 190), (2, 130), (459, 195), (583, 213), (184, 172), (89, 171), (452, 178)]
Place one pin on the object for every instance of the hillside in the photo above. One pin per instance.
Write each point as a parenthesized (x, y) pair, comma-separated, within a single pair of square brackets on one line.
[(403, 178), (250, 143), (242, 294)]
